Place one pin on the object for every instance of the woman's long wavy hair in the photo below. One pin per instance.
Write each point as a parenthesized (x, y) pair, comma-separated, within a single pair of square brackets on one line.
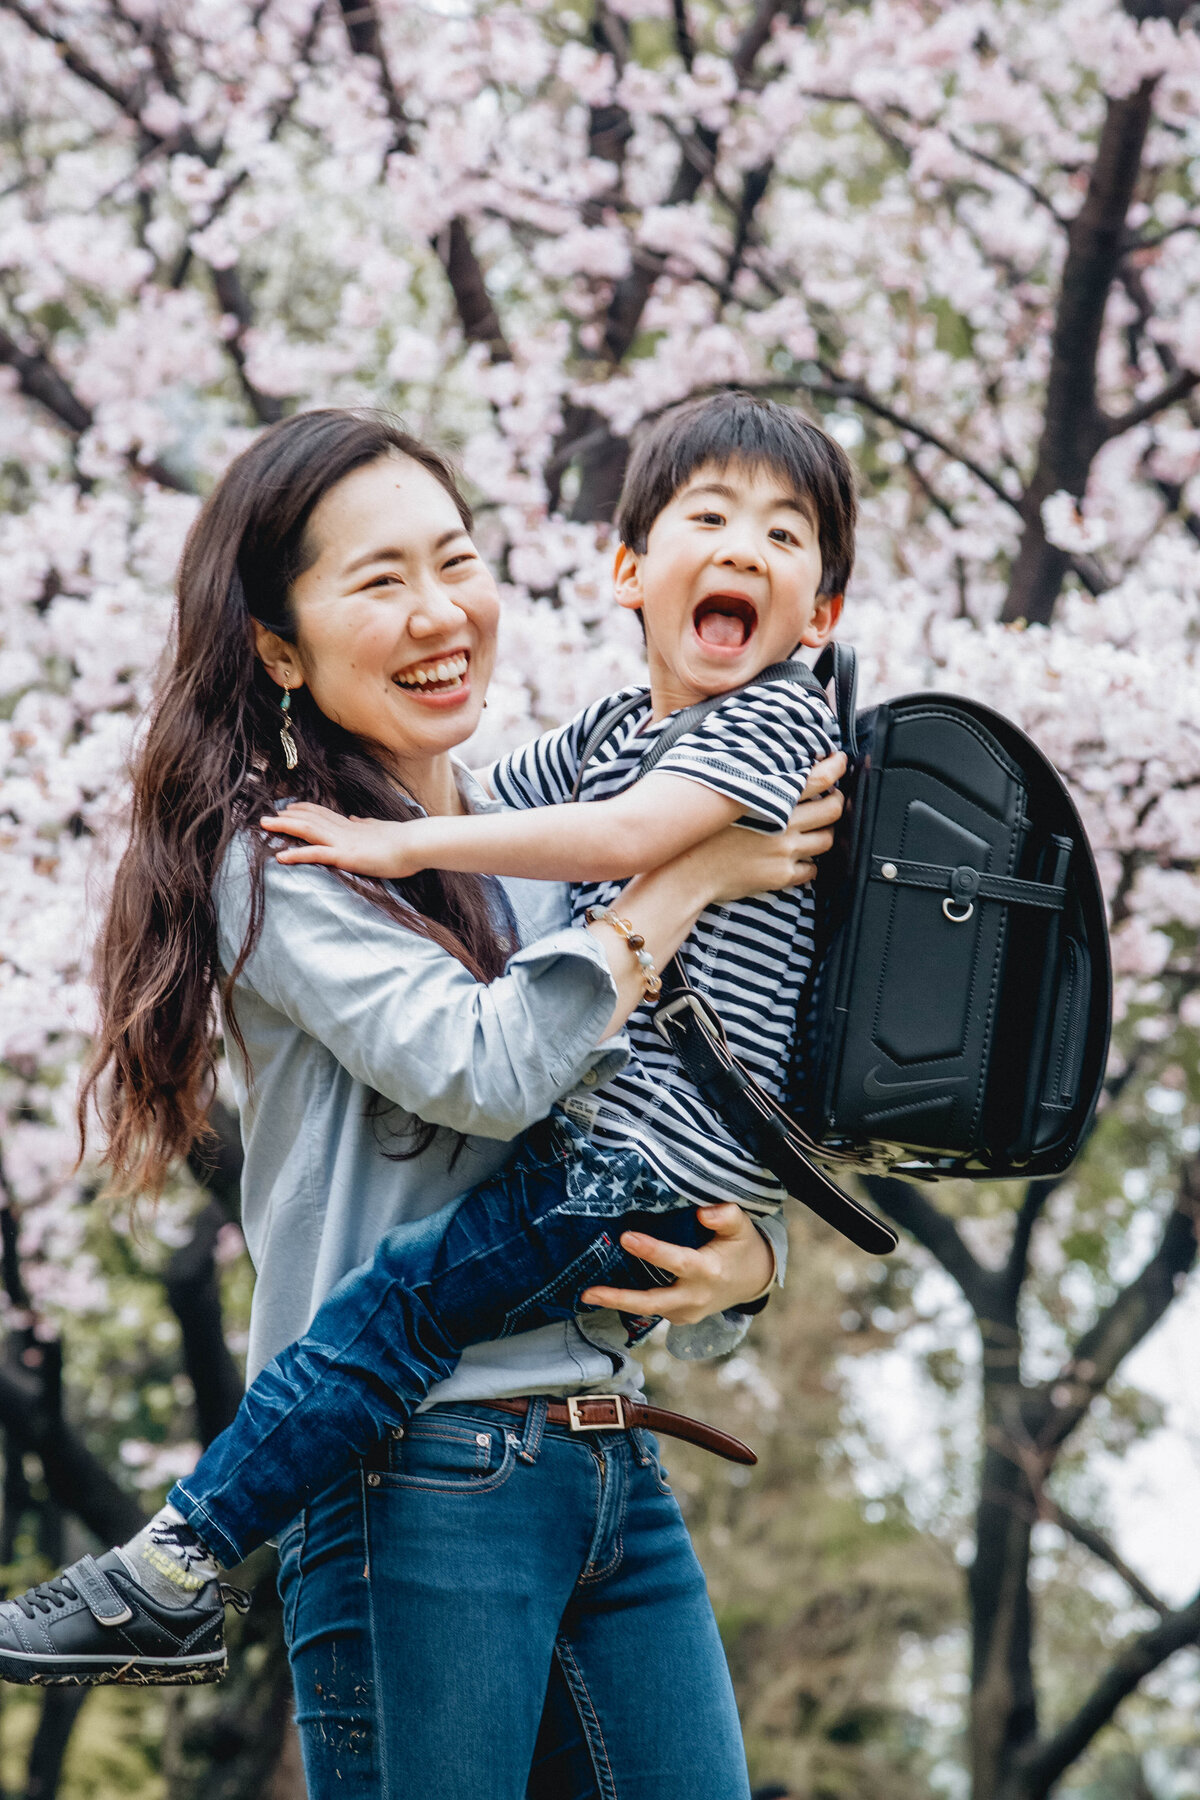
[(210, 762)]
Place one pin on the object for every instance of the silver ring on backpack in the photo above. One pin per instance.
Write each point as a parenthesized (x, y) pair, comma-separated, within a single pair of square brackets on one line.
[(957, 918)]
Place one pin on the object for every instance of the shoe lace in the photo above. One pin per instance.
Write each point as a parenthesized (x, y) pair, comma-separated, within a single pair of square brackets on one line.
[(47, 1596)]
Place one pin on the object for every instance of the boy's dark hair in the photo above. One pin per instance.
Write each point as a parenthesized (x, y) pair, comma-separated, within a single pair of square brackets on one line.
[(739, 427)]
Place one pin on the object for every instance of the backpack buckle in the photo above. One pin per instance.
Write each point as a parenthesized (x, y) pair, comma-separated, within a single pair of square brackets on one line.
[(688, 1001)]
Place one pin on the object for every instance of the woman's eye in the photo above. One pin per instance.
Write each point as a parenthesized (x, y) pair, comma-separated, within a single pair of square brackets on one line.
[(461, 560)]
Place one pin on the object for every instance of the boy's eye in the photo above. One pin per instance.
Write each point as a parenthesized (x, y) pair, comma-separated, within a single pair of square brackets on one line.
[(782, 535), (710, 518)]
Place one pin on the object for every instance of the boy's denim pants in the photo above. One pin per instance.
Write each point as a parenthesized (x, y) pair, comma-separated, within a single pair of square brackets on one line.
[(516, 1253)]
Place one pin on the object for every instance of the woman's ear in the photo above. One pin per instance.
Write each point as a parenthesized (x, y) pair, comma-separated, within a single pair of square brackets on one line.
[(627, 577), (277, 657), (827, 610)]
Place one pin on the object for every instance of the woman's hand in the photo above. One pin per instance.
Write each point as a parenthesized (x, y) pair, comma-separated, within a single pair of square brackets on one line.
[(736, 1266), (736, 862)]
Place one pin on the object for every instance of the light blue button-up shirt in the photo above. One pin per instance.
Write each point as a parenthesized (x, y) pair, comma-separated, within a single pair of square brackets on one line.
[(337, 1004)]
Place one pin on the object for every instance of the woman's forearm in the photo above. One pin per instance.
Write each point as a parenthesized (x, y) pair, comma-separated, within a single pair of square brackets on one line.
[(662, 906)]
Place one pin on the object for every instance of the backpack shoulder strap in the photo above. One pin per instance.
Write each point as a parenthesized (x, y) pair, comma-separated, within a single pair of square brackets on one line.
[(608, 721), (840, 669), (690, 1026), (682, 723), (839, 663)]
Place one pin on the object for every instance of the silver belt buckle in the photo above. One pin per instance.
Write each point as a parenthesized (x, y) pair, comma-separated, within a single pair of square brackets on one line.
[(579, 1423)]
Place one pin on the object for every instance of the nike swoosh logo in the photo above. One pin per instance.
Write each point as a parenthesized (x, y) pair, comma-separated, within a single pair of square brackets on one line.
[(873, 1085)]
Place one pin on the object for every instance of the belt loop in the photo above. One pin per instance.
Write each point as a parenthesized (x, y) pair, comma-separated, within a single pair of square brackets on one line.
[(638, 1434), (535, 1425)]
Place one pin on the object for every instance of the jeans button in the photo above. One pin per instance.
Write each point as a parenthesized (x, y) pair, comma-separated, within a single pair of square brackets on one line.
[(397, 1431), (372, 1480), (482, 1439)]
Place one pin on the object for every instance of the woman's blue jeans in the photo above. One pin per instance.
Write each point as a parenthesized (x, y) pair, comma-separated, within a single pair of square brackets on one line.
[(493, 1608), (515, 1254)]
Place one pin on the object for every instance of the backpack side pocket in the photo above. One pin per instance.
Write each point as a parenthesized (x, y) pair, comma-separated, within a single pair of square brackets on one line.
[(1068, 1033)]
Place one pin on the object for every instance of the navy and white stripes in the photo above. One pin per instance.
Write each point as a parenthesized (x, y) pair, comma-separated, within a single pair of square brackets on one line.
[(750, 959)]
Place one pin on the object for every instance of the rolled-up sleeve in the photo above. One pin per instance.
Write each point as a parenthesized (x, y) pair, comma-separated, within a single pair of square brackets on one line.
[(407, 1019)]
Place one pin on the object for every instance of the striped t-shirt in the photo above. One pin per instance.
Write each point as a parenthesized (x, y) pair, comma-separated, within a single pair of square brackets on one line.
[(750, 958)]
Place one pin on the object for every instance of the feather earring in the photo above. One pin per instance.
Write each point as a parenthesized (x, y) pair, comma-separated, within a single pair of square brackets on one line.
[(291, 754)]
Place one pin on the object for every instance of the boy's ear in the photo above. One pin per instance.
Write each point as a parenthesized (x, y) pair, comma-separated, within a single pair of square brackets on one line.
[(627, 577), (823, 624), (277, 657)]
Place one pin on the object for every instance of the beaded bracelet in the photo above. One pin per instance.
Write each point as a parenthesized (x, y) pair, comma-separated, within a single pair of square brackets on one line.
[(637, 943)]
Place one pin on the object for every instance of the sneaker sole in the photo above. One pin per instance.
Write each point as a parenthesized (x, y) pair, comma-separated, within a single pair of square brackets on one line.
[(109, 1671)]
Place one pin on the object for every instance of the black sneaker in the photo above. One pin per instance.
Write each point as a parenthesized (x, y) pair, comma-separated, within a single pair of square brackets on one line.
[(95, 1624)]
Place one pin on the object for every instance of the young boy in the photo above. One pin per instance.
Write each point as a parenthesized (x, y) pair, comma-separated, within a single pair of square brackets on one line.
[(736, 527)]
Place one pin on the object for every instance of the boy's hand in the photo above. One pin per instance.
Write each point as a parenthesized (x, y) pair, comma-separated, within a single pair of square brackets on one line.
[(824, 775), (385, 848)]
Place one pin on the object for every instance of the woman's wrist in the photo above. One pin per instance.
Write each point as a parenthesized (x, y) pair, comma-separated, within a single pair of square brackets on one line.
[(661, 907)]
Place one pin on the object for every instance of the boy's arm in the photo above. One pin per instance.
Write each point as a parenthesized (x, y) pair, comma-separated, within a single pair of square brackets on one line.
[(652, 822)]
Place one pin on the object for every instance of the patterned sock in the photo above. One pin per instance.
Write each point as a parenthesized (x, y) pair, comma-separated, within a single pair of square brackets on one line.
[(168, 1559)]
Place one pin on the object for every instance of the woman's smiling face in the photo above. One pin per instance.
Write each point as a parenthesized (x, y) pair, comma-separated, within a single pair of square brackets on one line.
[(396, 617)]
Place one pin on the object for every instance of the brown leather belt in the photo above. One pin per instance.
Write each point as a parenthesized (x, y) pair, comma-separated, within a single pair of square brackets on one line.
[(617, 1412)]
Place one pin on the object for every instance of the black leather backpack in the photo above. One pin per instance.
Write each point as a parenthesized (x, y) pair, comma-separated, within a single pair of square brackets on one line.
[(957, 1021)]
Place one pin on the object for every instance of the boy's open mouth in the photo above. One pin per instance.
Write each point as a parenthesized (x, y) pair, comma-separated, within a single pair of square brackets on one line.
[(724, 621)]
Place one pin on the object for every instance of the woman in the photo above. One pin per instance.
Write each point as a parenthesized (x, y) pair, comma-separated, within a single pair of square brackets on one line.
[(494, 1570)]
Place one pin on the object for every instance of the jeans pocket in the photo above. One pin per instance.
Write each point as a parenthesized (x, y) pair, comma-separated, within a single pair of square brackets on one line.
[(451, 1455), (557, 1298), (648, 1445)]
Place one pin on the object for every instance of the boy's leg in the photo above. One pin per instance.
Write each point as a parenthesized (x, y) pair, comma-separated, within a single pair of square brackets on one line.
[(516, 1253)]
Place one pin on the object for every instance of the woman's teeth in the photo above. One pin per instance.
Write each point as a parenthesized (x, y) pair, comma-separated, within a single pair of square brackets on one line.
[(448, 674)]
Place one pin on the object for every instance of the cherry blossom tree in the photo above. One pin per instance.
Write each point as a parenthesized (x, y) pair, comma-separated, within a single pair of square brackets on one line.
[(965, 234)]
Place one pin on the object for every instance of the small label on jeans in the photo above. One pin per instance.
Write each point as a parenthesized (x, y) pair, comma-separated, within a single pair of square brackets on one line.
[(582, 1110)]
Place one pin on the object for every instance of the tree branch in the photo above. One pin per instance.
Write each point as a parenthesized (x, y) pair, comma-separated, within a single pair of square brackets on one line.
[(1033, 1204), (453, 248), (836, 387), (1041, 1765), (1098, 1544), (233, 299), (76, 1479), (1175, 390), (908, 1206), (39, 380), (684, 42), (754, 186), (194, 1296), (1129, 1317), (70, 56), (757, 32)]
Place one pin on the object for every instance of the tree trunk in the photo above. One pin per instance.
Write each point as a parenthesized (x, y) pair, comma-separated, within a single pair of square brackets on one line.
[(60, 1709), (1003, 1699), (1074, 427), (226, 1742), (235, 1741)]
